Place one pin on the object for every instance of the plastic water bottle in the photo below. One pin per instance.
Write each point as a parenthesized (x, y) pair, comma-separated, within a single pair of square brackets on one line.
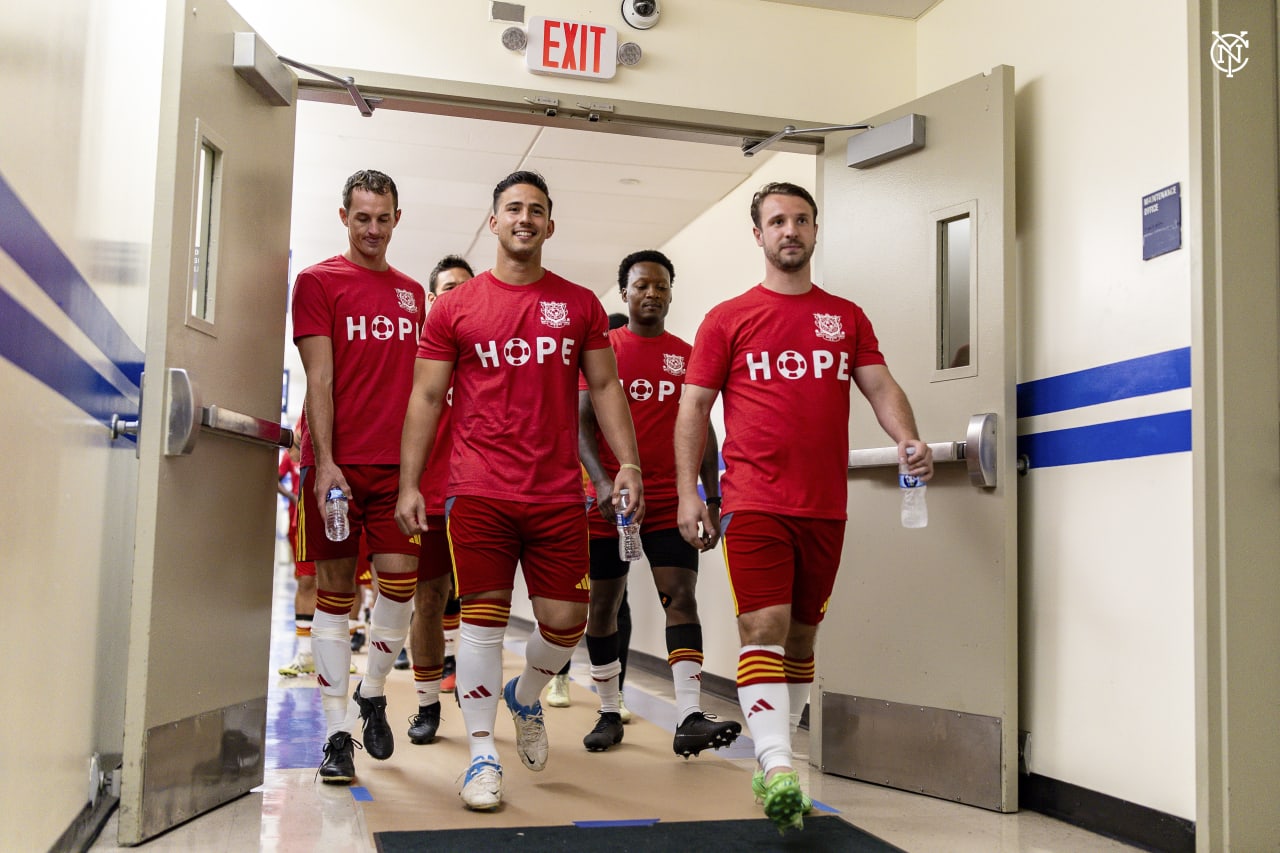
[(628, 531), (335, 515), (915, 512)]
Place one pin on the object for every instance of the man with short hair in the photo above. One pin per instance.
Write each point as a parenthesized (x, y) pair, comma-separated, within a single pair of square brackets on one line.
[(512, 342), (783, 355), (433, 648), (651, 365), (355, 322)]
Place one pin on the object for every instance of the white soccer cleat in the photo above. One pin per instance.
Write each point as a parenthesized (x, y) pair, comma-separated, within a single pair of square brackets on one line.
[(482, 787), (558, 691)]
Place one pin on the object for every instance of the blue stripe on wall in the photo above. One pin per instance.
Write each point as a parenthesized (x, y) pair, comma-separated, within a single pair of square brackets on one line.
[(36, 349), (35, 251), (1147, 436), (1137, 377)]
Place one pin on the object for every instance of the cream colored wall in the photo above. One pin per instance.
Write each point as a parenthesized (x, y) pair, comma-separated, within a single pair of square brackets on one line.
[(1106, 552), (80, 156), (747, 57)]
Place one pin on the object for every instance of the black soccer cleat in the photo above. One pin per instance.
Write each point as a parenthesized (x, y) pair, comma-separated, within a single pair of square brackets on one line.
[(357, 639), (424, 724), (339, 766), (402, 660), (378, 740), (701, 731), (607, 733)]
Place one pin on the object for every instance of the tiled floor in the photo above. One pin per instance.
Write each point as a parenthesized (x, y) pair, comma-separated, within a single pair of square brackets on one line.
[(292, 812)]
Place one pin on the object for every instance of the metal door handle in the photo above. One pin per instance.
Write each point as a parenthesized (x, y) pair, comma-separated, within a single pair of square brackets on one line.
[(185, 419), (977, 451)]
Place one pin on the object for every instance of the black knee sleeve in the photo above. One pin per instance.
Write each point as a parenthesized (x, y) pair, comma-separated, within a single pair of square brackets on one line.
[(602, 650)]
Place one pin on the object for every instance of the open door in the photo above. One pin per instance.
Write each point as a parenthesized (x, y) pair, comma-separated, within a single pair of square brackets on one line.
[(195, 702), (918, 667)]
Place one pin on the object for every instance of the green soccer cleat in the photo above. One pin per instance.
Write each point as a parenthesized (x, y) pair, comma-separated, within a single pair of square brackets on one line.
[(784, 802)]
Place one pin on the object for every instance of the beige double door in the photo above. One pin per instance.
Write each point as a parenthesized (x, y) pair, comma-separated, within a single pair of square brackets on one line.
[(195, 704), (917, 664)]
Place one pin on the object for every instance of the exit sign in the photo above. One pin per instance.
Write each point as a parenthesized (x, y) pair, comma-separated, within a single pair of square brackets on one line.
[(571, 48)]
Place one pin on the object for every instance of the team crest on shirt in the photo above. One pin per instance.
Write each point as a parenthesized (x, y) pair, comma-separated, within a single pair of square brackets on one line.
[(673, 364), (407, 302), (829, 328), (555, 314)]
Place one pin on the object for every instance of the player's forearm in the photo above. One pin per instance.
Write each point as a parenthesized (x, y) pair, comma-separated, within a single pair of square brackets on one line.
[(588, 447), (690, 446), (710, 470), (319, 408), (417, 438), (614, 417)]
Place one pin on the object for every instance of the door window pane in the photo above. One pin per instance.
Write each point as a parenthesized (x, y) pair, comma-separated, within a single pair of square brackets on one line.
[(954, 292)]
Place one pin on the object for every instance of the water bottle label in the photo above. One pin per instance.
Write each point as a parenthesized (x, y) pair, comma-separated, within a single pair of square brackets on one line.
[(335, 494), (907, 481)]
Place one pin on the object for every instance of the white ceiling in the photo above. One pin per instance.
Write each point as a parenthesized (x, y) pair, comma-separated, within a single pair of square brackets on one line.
[(612, 194)]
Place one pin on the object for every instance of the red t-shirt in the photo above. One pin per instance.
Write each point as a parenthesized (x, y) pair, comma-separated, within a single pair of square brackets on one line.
[(435, 477), (288, 468), (373, 319), (652, 373), (516, 351), (783, 366)]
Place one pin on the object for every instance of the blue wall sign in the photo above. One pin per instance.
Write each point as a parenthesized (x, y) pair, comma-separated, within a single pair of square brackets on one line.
[(1162, 221)]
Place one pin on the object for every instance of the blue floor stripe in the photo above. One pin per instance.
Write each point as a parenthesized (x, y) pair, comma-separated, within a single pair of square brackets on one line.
[(1127, 439), (360, 794), (36, 349), (1136, 377), (33, 249), (605, 824)]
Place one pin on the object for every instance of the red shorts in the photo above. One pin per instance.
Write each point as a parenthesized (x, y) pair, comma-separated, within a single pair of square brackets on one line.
[(372, 510), (489, 537), (304, 570), (659, 514), (773, 559), (435, 560), (301, 569)]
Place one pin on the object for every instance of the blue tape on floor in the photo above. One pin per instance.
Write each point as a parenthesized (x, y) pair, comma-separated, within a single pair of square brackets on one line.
[(360, 793), (598, 824)]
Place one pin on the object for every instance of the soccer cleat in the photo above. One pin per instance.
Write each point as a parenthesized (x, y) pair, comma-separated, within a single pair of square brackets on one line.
[(449, 680), (339, 766), (378, 741), (482, 786), (607, 733), (784, 803), (424, 724), (623, 711), (402, 660), (302, 664), (357, 639), (757, 788), (558, 692), (531, 731), (700, 731)]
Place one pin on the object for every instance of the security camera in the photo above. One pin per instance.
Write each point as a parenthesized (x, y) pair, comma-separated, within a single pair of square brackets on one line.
[(641, 14)]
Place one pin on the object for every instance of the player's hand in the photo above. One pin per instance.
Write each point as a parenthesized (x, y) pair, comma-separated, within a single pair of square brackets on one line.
[(329, 476), (711, 527), (921, 459), (411, 513), (629, 479), (697, 527), (604, 500)]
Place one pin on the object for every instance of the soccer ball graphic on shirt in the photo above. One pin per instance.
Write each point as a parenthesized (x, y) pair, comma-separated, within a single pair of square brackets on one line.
[(382, 327), (792, 365), (517, 352), (641, 390)]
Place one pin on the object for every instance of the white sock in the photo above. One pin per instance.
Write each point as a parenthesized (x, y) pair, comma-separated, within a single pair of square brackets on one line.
[(387, 632), (331, 645), (542, 660), (767, 709), (606, 681), (686, 675), (798, 694), (480, 683)]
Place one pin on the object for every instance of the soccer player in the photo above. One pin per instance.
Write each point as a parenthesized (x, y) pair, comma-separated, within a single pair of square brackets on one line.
[(433, 657), (513, 341), (651, 365), (356, 321), (304, 598), (783, 355)]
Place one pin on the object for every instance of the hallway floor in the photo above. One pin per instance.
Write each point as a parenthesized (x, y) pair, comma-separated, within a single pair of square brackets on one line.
[(291, 811)]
